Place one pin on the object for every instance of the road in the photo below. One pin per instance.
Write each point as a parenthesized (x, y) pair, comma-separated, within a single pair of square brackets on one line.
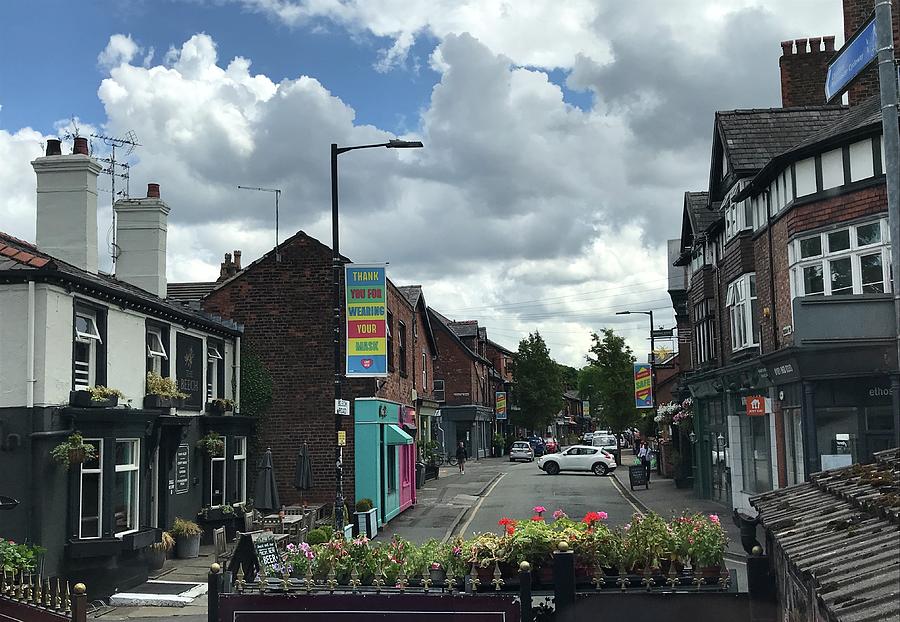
[(524, 486)]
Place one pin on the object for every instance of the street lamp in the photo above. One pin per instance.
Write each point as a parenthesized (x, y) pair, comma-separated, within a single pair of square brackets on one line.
[(652, 350), (336, 265)]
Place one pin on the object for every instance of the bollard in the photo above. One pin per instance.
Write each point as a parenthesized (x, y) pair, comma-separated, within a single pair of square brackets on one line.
[(214, 581), (79, 603), (563, 578), (525, 591)]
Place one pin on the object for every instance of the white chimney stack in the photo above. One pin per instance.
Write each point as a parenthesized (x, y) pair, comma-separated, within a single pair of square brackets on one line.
[(141, 229), (67, 204)]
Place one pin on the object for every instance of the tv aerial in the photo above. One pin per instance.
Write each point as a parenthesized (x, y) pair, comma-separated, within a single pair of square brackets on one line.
[(116, 169)]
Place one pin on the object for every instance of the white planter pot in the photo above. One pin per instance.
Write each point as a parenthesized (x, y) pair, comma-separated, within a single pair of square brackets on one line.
[(348, 532), (368, 523)]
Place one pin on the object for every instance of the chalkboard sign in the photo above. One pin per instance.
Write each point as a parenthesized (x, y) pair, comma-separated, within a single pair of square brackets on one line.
[(267, 552), (189, 369), (637, 476), (182, 469)]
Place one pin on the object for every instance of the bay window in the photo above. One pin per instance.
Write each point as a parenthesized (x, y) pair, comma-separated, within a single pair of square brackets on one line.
[(851, 260), (127, 486), (743, 310), (90, 503)]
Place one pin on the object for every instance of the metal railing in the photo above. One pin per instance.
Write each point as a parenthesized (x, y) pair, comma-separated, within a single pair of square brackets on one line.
[(38, 599)]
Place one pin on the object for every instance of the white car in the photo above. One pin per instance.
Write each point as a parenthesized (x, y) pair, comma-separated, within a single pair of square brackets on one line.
[(521, 450), (605, 441), (578, 458)]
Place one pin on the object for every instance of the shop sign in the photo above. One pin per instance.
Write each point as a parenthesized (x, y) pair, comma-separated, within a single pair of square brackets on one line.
[(500, 408), (189, 369), (756, 405), (182, 469), (366, 312), (643, 386)]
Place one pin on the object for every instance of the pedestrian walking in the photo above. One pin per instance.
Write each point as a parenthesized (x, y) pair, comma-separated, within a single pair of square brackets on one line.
[(644, 457), (461, 457)]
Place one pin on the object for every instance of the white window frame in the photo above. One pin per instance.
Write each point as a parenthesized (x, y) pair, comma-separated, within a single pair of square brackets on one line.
[(156, 356), (855, 253), (91, 338), (99, 471), (240, 464), (739, 300), (424, 372), (212, 465), (135, 467), (212, 379)]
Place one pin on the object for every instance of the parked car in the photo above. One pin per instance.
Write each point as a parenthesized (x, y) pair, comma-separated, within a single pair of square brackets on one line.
[(586, 438), (537, 444), (604, 441), (578, 458), (550, 445), (521, 450)]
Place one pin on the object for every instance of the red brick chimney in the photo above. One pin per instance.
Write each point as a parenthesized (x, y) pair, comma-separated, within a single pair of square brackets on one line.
[(229, 268), (804, 64), (855, 13)]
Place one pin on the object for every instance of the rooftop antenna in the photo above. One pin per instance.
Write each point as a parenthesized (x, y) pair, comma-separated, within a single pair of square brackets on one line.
[(277, 192), (117, 169)]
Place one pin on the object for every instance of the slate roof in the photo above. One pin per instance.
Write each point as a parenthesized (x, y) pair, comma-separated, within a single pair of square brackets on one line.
[(18, 256), (466, 328), (189, 291), (446, 324), (573, 395), (841, 530), (699, 213), (753, 137)]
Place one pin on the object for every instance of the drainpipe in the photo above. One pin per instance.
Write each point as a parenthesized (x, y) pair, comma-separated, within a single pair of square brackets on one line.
[(29, 350), (237, 375)]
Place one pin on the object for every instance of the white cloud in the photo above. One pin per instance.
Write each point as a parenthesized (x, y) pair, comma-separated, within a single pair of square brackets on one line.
[(17, 182), (120, 49)]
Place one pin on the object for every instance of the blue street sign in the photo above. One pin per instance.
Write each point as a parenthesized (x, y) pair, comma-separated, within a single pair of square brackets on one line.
[(851, 60)]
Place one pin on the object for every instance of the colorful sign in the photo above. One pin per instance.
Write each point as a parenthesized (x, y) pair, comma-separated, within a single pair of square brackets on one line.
[(756, 405), (500, 408), (850, 61), (643, 385), (366, 309)]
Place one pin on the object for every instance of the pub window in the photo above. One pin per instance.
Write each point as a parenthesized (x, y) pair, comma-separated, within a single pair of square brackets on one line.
[(217, 479), (390, 341), (240, 469), (438, 390), (87, 343), (156, 351), (91, 500), (212, 371), (401, 340), (126, 500)]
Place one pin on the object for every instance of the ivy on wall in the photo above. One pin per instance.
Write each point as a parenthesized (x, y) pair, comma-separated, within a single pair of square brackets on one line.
[(256, 385)]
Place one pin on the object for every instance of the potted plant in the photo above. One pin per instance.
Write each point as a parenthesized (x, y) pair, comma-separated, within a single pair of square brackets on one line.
[(158, 551), (73, 451), (19, 558), (95, 397), (219, 406), (187, 538), (366, 518), (706, 544), (212, 444), (162, 392)]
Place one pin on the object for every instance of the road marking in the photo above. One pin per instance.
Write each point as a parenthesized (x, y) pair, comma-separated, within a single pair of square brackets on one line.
[(477, 506), (620, 489)]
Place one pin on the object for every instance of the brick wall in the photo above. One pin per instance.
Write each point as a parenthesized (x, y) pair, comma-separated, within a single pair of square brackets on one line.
[(855, 13), (421, 344), (804, 64), (398, 387), (462, 374)]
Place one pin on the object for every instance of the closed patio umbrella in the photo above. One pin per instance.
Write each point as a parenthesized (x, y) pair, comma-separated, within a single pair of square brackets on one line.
[(303, 471), (266, 490)]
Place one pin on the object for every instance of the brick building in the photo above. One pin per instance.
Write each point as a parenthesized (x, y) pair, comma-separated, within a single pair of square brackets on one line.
[(787, 295), (285, 304)]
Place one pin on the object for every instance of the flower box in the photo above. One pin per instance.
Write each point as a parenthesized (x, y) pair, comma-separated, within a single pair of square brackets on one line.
[(158, 402), (83, 399), (368, 523), (216, 408)]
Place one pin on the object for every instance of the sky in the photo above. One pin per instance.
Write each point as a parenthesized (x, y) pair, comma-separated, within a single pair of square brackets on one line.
[(559, 137)]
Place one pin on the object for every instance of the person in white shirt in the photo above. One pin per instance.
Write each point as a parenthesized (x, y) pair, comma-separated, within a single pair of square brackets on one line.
[(644, 457)]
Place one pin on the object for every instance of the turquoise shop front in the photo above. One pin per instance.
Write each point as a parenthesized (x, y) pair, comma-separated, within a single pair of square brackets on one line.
[(385, 457)]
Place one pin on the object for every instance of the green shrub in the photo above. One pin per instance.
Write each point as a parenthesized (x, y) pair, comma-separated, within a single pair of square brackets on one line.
[(318, 536), (364, 505)]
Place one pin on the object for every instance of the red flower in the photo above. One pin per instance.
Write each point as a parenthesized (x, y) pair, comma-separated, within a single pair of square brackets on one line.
[(537, 517), (506, 521), (593, 517), (510, 529)]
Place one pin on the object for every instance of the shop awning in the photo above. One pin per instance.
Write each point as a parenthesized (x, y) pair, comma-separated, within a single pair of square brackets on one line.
[(393, 435)]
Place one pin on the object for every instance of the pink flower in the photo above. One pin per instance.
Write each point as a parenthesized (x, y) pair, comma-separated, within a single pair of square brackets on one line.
[(558, 514), (603, 515), (714, 518), (539, 509)]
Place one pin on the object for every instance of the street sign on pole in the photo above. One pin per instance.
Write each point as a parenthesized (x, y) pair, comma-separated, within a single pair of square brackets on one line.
[(851, 60), (342, 408), (661, 333)]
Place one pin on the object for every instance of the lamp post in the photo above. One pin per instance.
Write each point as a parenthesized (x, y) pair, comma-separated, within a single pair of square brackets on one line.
[(652, 351), (336, 265)]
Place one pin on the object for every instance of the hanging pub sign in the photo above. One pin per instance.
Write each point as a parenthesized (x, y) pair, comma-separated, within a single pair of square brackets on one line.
[(367, 329), (501, 405), (643, 385), (189, 369)]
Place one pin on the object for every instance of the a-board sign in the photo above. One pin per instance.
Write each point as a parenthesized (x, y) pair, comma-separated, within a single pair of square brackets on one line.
[(182, 469), (637, 476), (267, 552)]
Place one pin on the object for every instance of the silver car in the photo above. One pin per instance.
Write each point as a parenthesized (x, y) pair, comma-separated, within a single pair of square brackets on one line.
[(521, 450)]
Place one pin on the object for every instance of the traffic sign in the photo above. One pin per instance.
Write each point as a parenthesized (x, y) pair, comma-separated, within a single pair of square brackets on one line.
[(342, 407)]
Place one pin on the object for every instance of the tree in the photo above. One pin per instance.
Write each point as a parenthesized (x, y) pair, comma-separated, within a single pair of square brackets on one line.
[(568, 376), (612, 378), (589, 388), (538, 387)]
